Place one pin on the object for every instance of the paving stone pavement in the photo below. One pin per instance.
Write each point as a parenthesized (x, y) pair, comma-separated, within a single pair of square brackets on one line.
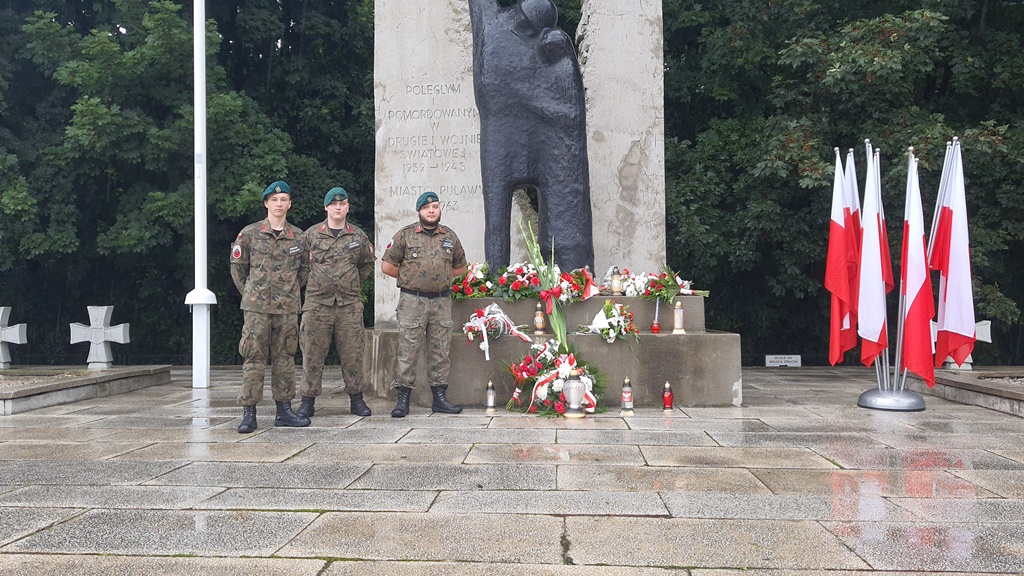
[(797, 482)]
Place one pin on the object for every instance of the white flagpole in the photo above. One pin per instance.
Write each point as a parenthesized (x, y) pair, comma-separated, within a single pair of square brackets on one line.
[(201, 298)]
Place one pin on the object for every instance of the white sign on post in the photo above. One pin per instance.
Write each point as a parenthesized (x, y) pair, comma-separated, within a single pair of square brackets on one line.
[(781, 360)]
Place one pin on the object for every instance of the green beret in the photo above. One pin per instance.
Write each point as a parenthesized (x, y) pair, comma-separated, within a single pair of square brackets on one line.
[(426, 198), (336, 193), (277, 188)]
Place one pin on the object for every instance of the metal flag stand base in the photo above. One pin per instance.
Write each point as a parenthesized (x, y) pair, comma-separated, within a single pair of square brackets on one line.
[(897, 401)]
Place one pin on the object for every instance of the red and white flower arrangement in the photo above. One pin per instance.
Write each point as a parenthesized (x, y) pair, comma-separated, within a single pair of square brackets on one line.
[(477, 282), (489, 324)]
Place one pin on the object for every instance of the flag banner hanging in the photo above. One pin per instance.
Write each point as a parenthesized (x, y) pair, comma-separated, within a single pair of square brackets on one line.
[(916, 285), (851, 202), (875, 276), (837, 278), (951, 257)]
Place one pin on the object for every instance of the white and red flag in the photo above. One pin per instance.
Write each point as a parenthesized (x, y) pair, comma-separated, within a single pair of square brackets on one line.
[(875, 276), (951, 257), (916, 285), (851, 195), (842, 325)]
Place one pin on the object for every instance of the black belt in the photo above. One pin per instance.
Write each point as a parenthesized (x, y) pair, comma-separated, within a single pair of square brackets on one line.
[(427, 294)]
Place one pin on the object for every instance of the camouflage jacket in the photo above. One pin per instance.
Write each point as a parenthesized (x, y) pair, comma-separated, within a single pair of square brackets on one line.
[(337, 266), (269, 270), (425, 261)]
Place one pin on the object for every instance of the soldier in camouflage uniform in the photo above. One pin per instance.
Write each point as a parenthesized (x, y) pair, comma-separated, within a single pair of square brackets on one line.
[(424, 257), (269, 265), (341, 258)]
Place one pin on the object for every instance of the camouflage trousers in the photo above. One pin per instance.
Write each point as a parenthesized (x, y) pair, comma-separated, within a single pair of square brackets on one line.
[(345, 325), (422, 318), (274, 337)]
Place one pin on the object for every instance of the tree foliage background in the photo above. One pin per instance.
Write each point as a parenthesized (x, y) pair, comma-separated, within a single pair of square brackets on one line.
[(96, 150)]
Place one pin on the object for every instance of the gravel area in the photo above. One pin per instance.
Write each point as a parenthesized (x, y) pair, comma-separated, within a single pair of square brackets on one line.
[(8, 380)]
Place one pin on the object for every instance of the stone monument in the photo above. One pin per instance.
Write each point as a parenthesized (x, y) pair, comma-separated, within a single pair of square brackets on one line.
[(533, 129), (428, 130)]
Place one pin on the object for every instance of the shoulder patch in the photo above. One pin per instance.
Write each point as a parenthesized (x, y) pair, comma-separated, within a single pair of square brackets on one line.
[(236, 251), (388, 247), (370, 246)]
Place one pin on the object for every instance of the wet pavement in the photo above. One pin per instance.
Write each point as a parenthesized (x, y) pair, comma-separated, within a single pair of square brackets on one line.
[(798, 481)]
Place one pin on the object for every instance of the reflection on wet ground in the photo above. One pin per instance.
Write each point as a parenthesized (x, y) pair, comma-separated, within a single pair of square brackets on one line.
[(797, 481)]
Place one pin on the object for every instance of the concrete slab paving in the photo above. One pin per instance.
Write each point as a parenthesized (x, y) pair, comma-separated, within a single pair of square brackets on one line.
[(932, 546), (797, 482), (263, 475), (215, 452), (167, 532), (65, 451), (1005, 483), (557, 503), (87, 565), (963, 510), (921, 459), (554, 454), (378, 568), (637, 437), (384, 453), (892, 483), (318, 500), (800, 507), (450, 537), (16, 522), (63, 473), (457, 477), (486, 436), (716, 457), (698, 542), (159, 497), (321, 435), (659, 479)]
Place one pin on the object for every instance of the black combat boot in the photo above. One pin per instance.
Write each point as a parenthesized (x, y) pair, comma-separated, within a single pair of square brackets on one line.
[(441, 404), (306, 409), (285, 416), (357, 407), (402, 406), (248, 424)]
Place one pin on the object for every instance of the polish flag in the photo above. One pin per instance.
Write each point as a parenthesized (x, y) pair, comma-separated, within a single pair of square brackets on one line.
[(951, 257), (837, 279), (916, 285), (875, 277), (851, 211)]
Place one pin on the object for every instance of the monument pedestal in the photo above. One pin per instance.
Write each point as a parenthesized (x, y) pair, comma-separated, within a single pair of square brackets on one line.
[(702, 366)]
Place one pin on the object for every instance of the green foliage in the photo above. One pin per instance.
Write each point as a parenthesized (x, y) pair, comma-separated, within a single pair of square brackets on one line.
[(759, 93), (96, 148)]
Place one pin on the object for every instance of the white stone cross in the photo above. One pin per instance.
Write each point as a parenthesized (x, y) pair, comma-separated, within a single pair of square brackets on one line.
[(982, 333), (99, 333), (13, 334)]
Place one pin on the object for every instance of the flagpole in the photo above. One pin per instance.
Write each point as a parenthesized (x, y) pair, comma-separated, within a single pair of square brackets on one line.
[(903, 294), (888, 397), (877, 175)]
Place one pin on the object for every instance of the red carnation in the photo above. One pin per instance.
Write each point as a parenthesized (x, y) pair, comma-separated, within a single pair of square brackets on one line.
[(560, 407), (561, 396), (520, 270), (455, 287), (647, 292), (503, 280), (547, 403), (533, 408), (625, 271), (517, 285), (535, 281)]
